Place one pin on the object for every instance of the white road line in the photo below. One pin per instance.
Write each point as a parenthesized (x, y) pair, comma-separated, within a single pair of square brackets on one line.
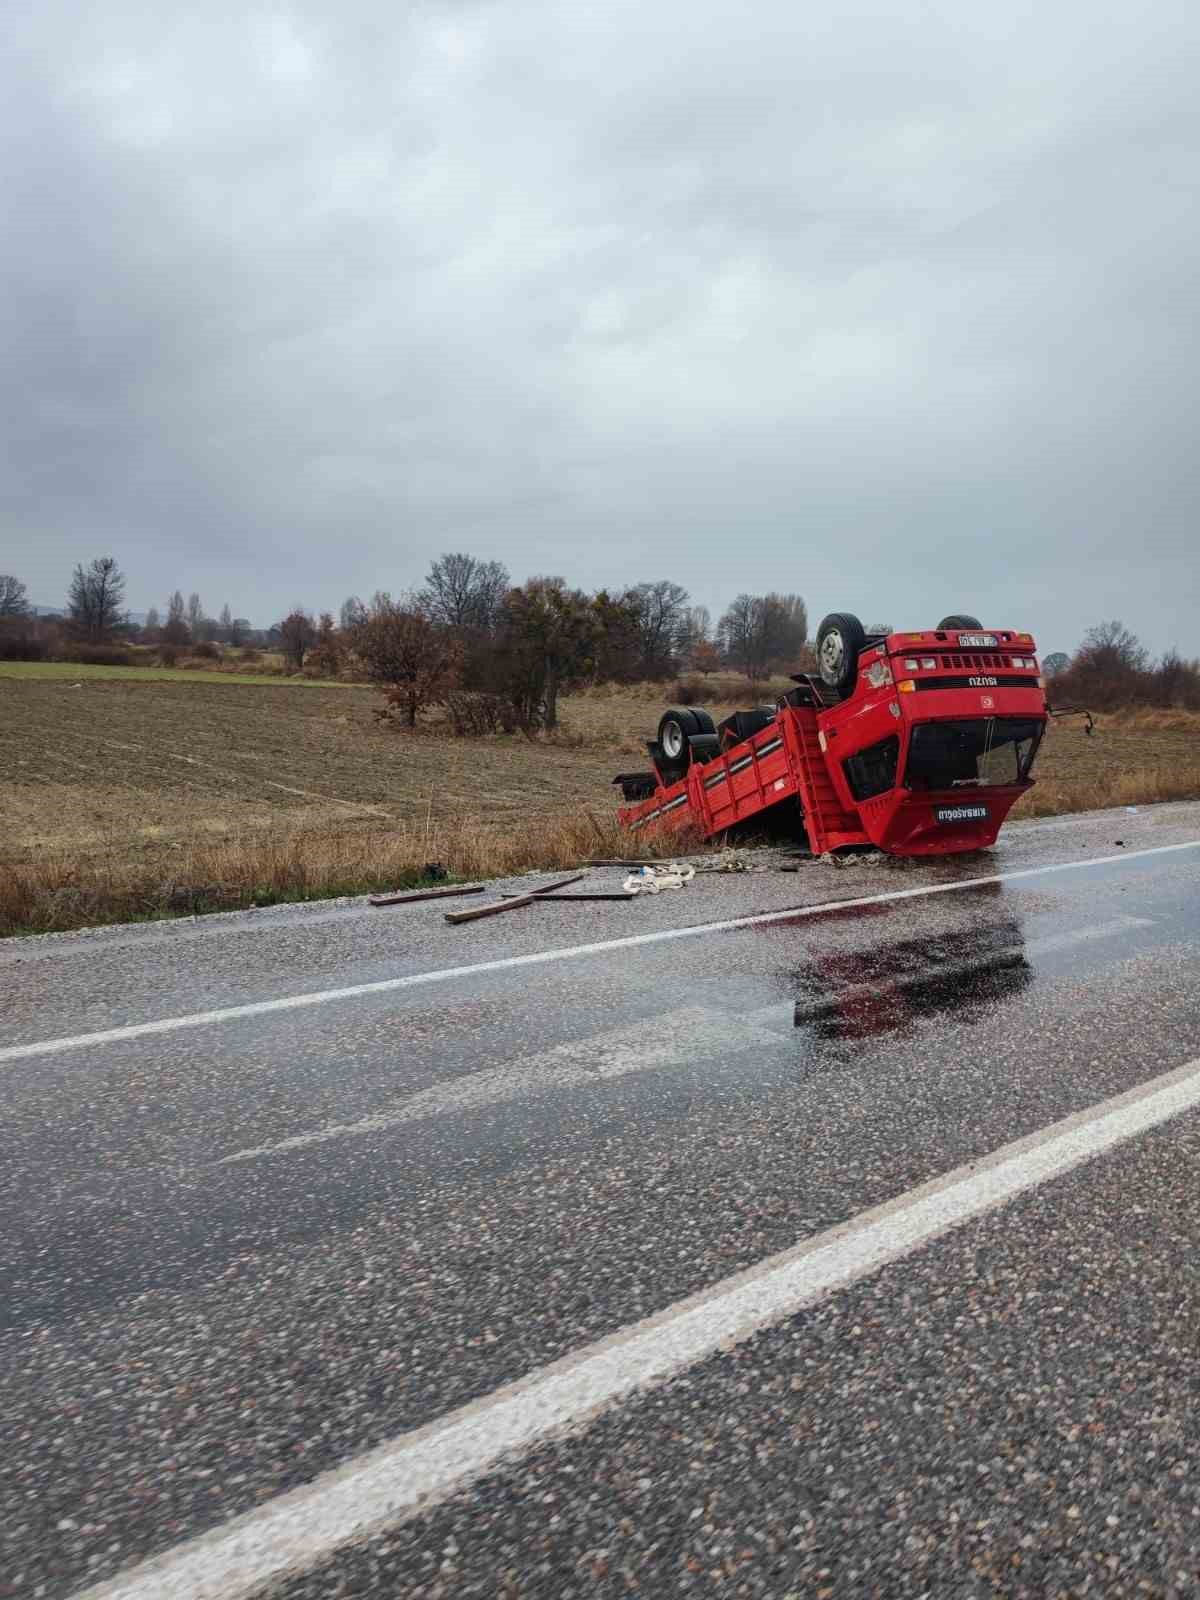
[(413, 1472), (320, 997), (681, 1038)]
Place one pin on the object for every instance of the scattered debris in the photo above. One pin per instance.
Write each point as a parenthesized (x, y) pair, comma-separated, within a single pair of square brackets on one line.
[(605, 894), (620, 861), (727, 861), (494, 908), (513, 902), (649, 880), (549, 888), (403, 899)]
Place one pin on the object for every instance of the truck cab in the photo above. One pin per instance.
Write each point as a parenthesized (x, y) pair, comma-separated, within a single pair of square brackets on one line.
[(936, 738)]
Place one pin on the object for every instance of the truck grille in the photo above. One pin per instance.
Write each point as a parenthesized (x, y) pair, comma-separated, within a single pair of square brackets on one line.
[(986, 660)]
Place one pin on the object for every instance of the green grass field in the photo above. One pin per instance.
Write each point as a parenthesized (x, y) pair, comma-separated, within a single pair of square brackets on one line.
[(73, 672)]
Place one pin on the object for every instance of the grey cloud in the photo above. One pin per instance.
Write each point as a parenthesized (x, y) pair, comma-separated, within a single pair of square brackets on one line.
[(889, 304)]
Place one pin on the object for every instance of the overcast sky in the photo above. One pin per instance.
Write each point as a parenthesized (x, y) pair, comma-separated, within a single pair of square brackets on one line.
[(894, 305)]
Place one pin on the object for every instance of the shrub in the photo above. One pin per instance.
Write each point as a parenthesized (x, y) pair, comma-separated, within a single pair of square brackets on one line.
[(206, 650), (168, 655), (688, 692), (99, 655), (24, 640), (413, 662), (473, 713), (249, 653)]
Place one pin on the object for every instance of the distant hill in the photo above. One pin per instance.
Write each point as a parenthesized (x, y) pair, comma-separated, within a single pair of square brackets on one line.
[(57, 611)]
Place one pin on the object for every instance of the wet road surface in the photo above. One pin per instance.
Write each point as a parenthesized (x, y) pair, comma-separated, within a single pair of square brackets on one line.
[(246, 1251)]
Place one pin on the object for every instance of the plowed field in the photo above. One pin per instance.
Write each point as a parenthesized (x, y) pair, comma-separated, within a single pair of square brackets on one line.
[(136, 769)]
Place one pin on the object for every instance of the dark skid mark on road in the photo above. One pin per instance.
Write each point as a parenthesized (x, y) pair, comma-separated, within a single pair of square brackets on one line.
[(893, 1009), (863, 993)]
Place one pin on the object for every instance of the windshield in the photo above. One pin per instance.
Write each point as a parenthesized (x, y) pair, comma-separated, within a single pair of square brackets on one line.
[(978, 750)]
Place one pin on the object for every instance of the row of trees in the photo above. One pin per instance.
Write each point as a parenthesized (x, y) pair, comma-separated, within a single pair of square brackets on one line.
[(501, 653), (95, 611), (189, 623), (1113, 668)]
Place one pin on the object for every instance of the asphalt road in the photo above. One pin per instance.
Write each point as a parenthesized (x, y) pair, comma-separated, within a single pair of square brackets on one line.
[(279, 1188)]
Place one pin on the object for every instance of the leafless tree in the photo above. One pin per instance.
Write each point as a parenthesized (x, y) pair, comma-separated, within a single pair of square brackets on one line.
[(352, 614), (664, 623), (94, 599), (326, 653), (463, 592), (759, 631), (297, 635), (175, 630), (14, 598)]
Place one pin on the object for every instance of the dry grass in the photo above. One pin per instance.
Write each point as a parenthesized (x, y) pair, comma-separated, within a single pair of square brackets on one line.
[(132, 799), (1152, 719), (60, 892), (1145, 786)]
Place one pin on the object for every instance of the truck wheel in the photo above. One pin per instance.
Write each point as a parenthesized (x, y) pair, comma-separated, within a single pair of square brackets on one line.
[(675, 728), (704, 723), (840, 638), (959, 622)]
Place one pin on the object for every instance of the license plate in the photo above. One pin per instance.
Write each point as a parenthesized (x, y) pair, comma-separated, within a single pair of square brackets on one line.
[(961, 813), (978, 641)]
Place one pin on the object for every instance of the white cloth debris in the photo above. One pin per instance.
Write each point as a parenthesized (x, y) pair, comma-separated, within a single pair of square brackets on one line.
[(649, 880)]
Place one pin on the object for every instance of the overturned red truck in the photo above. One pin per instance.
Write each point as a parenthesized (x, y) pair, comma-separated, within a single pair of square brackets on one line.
[(917, 743)]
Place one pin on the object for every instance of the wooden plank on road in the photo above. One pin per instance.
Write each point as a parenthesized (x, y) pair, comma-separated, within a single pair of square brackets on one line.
[(405, 899)]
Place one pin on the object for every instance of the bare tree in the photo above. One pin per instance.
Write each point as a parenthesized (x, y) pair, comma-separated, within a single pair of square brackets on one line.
[(1111, 647), (759, 631), (153, 621), (239, 631), (297, 636), (411, 659), (796, 620), (699, 625), (735, 632), (175, 630), (463, 592), (352, 614), (195, 614), (1111, 666), (326, 654), (1057, 661), (663, 625), (94, 599), (14, 598)]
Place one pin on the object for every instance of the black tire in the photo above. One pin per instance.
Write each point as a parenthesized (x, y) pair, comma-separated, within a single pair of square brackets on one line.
[(959, 622), (840, 639), (675, 728), (704, 723)]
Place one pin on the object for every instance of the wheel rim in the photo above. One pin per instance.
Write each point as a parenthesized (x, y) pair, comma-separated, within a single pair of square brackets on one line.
[(672, 740), (833, 653)]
